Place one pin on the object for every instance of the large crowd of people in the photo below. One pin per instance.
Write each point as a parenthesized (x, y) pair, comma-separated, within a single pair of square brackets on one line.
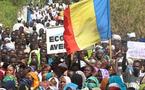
[(25, 64)]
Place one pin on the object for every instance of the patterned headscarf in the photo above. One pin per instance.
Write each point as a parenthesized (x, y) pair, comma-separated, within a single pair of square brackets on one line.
[(91, 82), (117, 79)]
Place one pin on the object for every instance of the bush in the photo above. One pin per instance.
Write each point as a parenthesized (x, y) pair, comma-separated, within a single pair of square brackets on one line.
[(8, 13)]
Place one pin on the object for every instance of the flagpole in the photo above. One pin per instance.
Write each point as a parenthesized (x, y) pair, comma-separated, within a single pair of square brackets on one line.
[(110, 49)]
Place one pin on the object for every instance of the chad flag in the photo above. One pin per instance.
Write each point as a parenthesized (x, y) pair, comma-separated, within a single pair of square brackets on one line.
[(86, 23)]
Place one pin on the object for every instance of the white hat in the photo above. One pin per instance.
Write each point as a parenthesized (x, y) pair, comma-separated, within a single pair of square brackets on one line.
[(19, 19), (134, 85), (113, 47), (116, 37), (98, 46), (10, 46), (7, 39), (92, 61), (106, 41), (130, 61), (131, 35), (82, 64)]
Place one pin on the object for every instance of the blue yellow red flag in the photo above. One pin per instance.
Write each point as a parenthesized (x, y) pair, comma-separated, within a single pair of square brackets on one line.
[(86, 23)]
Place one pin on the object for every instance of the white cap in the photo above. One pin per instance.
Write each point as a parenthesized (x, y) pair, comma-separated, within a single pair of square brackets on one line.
[(134, 85), (98, 46), (19, 18), (10, 46), (7, 39), (106, 41), (131, 35), (130, 61), (116, 37), (82, 63), (92, 61), (113, 47)]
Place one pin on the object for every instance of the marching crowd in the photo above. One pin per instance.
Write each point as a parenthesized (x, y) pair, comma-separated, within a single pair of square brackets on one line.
[(25, 64)]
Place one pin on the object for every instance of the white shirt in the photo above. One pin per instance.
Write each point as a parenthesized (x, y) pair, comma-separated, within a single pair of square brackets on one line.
[(38, 27), (17, 26)]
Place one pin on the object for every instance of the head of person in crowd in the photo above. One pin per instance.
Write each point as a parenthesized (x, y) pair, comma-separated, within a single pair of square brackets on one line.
[(10, 70), (9, 81), (102, 73), (31, 24), (78, 81), (8, 31), (88, 71), (41, 31), (7, 44), (13, 34), (34, 28), (83, 54), (43, 52), (44, 84), (20, 54), (13, 60), (92, 61), (83, 76), (24, 42), (63, 81), (21, 29), (143, 66), (91, 83), (34, 78), (116, 38), (104, 43), (44, 37), (28, 36), (4, 52), (24, 82), (22, 35), (35, 34), (69, 73), (24, 48), (34, 58), (19, 20), (130, 88), (41, 43), (118, 47), (4, 35), (54, 83), (17, 40), (136, 68), (132, 36), (116, 83), (100, 54)]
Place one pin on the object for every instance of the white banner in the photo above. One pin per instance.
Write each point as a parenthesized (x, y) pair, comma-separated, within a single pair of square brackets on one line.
[(136, 50), (55, 42)]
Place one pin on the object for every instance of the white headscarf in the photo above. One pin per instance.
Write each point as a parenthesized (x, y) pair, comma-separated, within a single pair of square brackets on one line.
[(82, 74), (68, 80), (56, 86)]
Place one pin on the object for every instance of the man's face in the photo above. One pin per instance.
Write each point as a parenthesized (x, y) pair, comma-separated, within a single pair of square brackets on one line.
[(137, 65)]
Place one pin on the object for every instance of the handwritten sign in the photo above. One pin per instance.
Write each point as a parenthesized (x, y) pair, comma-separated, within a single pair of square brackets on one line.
[(136, 50)]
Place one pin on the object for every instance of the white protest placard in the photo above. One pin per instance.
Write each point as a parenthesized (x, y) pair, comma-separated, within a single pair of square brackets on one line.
[(136, 50), (55, 42)]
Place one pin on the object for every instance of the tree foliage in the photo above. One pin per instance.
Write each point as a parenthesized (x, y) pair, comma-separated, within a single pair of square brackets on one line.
[(128, 16)]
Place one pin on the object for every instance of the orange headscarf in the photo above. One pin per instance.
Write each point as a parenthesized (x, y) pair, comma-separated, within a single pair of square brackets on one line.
[(104, 83), (35, 79)]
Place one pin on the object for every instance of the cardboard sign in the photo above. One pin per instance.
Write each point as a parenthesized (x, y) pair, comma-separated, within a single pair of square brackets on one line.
[(55, 42), (136, 50)]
